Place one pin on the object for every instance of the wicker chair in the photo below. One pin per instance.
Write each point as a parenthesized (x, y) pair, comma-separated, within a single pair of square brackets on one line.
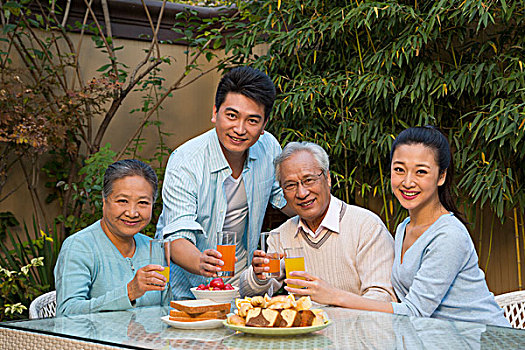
[(44, 306), (513, 304)]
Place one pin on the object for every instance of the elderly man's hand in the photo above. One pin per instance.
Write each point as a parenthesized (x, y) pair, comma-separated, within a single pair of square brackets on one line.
[(259, 258), (147, 278), (319, 290)]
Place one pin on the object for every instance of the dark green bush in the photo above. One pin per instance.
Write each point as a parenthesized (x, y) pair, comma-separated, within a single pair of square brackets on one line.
[(352, 74)]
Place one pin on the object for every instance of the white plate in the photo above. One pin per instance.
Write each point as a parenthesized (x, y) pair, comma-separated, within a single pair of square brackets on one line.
[(276, 331), (206, 324)]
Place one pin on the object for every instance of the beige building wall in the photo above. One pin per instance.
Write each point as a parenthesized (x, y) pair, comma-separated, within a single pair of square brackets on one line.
[(186, 114)]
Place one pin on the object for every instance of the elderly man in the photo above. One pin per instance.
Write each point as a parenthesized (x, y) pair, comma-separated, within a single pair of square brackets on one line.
[(346, 248)]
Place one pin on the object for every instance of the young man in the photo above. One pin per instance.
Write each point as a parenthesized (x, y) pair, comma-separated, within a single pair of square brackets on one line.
[(221, 180)]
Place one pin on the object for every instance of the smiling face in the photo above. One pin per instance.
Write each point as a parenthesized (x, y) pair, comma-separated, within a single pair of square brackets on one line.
[(309, 203), (415, 177), (127, 209), (239, 122)]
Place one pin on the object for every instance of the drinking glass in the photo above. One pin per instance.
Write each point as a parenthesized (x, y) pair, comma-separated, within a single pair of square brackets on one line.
[(159, 254), (226, 241), (294, 261), (270, 243)]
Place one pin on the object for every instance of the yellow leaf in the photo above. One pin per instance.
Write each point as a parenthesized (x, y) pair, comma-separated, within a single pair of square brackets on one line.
[(391, 205), (375, 10), (375, 191), (522, 123), (315, 55), (521, 65), (494, 47), (483, 157), (278, 4)]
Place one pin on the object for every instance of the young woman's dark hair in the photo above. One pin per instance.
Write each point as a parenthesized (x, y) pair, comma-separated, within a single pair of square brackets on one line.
[(434, 139), (249, 82)]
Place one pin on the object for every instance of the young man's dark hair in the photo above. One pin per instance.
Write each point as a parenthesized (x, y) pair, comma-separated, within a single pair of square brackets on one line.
[(249, 82)]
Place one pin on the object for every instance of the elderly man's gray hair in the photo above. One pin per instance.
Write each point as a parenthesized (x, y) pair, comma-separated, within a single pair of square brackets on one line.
[(315, 150)]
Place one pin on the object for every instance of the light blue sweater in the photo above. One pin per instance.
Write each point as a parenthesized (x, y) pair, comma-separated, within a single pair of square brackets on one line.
[(91, 275), (440, 276)]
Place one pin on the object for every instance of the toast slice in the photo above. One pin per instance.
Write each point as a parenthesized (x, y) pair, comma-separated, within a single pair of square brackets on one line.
[(191, 319), (199, 306), (207, 314)]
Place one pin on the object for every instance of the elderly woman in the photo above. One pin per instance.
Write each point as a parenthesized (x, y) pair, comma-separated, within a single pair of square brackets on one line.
[(347, 249), (105, 266)]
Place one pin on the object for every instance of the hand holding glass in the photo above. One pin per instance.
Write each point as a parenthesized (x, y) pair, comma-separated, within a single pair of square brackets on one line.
[(294, 261), (159, 254), (270, 242), (226, 241)]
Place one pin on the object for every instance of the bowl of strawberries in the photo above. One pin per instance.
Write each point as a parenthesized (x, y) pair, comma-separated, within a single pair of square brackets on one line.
[(216, 290)]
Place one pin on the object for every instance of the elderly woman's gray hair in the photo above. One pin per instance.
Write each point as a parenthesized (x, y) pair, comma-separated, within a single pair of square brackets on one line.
[(129, 167), (315, 150)]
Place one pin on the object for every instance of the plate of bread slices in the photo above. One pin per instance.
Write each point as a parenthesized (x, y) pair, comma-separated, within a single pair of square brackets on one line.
[(280, 315), (196, 314)]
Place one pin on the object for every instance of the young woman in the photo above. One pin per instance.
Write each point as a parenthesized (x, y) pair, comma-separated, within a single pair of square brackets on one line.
[(105, 266), (435, 271)]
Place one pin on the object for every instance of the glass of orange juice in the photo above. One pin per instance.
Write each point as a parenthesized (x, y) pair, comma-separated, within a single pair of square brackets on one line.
[(270, 243), (159, 254), (294, 261), (226, 241)]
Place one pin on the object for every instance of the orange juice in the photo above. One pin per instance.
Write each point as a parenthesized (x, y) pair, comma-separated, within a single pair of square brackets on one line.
[(228, 256), (165, 273), (294, 263), (274, 265)]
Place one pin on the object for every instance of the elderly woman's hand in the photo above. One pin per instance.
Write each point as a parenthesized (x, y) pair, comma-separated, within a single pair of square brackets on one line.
[(147, 278), (319, 290)]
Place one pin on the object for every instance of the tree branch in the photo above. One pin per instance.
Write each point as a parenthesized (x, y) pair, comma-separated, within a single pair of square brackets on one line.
[(174, 86)]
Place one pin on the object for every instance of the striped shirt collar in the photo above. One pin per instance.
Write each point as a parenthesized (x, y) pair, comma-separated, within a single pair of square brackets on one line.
[(217, 158), (330, 222)]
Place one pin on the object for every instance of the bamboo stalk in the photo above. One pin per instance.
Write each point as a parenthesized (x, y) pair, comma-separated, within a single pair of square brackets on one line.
[(384, 196), (522, 231), (490, 243), (517, 239), (480, 230)]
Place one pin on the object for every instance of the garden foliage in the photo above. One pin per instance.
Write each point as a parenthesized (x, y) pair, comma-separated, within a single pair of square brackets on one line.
[(352, 74), (54, 115)]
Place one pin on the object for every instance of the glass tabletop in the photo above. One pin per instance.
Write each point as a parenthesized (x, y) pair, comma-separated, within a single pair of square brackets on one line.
[(142, 328)]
